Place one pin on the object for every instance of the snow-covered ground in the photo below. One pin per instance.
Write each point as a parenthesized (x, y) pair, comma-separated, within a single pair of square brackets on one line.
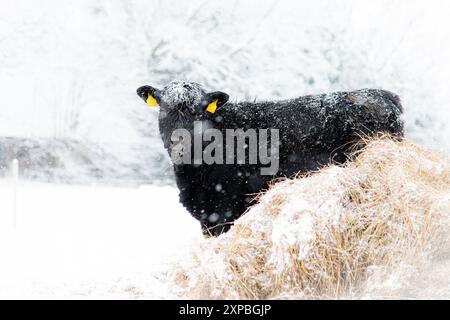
[(68, 75), (90, 242)]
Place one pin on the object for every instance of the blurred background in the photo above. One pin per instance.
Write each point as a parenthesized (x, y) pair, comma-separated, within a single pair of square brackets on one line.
[(74, 224), (69, 71)]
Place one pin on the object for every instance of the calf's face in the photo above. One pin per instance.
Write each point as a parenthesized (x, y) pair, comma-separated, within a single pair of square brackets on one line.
[(180, 104)]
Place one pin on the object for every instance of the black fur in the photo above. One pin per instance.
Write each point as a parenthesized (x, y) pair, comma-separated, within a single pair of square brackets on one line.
[(314, 130)]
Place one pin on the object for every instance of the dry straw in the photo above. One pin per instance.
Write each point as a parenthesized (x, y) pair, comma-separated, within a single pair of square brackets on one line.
[(319, 236)]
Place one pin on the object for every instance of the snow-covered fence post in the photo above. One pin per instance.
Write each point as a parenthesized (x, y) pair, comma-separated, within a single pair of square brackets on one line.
[(15, 177)]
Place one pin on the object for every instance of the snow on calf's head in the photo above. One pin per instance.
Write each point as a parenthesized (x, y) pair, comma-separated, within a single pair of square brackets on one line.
[(182, 94)]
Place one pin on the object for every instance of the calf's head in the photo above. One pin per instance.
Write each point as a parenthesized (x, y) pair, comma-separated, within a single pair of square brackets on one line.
[(180, 104)]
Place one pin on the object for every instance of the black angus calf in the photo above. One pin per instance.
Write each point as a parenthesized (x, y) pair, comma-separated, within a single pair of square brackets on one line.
[(313, 131)]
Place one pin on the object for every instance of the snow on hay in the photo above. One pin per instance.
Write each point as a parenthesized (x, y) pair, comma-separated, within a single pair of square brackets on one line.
[(328, 234)]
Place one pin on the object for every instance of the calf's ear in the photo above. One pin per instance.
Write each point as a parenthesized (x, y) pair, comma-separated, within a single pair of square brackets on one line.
[(150, 95), (213, 100)]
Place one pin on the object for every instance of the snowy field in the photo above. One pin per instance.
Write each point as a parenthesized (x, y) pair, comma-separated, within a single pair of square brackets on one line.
[(70, 113), (96, 242), (90, 242)]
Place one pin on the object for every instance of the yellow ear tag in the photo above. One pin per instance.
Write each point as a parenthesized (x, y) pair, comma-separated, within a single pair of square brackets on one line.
[(151, 102), (212, 107)]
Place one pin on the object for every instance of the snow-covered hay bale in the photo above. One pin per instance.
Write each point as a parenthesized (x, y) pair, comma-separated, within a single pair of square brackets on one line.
[(321, 236)]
